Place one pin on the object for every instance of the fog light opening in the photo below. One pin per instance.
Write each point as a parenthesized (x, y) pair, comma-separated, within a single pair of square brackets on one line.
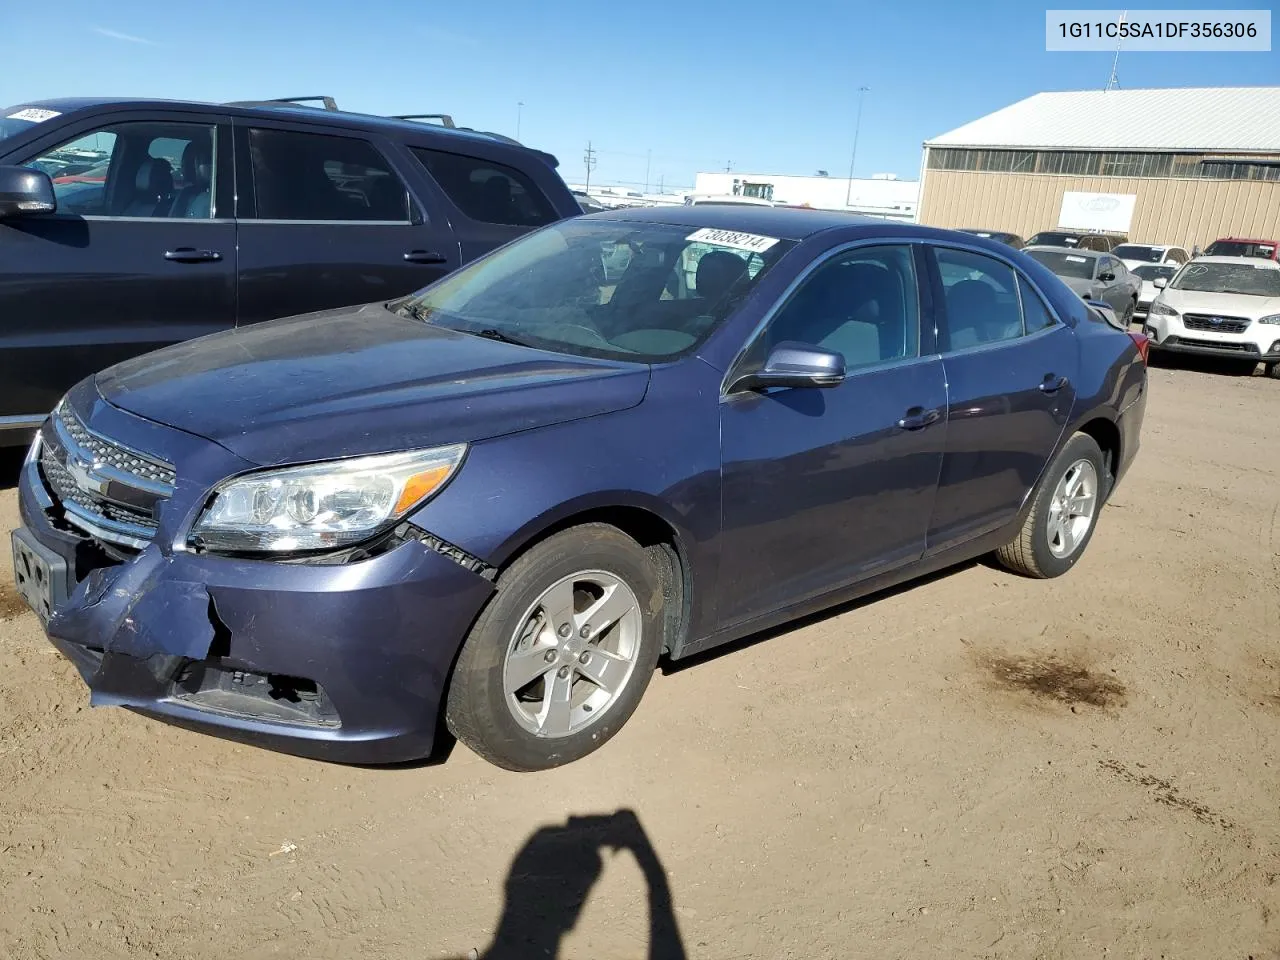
[(291, 689)]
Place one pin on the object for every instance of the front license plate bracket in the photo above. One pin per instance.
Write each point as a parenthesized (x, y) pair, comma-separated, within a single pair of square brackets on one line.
[(39, 574)]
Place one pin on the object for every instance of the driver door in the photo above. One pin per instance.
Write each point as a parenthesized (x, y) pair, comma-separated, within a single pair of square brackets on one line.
[(826, 486)]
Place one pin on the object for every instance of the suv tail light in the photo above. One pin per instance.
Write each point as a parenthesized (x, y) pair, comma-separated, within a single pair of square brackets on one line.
[(1143, 343)]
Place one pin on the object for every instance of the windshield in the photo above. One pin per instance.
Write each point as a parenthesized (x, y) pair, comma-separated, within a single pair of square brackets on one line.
[(605, 288), (1241, 248), (1137, 251), (1242, 278), (1054, 240), (1066, 264), (1154, 271), (16, 120)]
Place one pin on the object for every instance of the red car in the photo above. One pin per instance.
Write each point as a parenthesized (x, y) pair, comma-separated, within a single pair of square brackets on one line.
[(1241, 247)]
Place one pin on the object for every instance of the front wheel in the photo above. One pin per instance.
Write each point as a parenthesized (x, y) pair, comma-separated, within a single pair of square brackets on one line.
[(1063, 514), (560, 657)]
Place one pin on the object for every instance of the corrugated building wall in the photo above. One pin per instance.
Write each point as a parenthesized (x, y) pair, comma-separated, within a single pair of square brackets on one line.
[(1177, 211)]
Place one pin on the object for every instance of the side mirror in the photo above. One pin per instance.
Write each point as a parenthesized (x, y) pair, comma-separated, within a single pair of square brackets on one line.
[(24, 191), (1160, 283), (1106, 277), (792, 364)]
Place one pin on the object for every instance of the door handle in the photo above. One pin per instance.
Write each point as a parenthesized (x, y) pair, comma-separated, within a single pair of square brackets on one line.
[(917, 418), (192, 255), (1052, 384), (425, 256)]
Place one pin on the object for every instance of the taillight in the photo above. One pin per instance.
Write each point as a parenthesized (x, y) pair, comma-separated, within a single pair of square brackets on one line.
[(1142, 342)]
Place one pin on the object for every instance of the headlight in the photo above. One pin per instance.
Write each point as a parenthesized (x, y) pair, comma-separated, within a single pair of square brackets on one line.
[(321, 506), (1273, 319), (1162, 309)]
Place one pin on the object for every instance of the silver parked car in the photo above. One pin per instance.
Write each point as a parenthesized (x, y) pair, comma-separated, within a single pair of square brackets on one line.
[(1095, 276)]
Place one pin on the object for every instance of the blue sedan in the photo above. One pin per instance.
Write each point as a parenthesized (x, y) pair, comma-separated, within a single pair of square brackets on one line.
[(493, 505)]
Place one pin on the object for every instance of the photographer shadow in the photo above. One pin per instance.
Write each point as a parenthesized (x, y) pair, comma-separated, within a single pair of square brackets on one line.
[(554, 872)]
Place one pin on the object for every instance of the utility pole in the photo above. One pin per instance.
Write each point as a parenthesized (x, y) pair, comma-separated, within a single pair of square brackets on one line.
[(1113, 83), (648, 158), (857, 125), (589, 160), (519, 114), (728, 166)]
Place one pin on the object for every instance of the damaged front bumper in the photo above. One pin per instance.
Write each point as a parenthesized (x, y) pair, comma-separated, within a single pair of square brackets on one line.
[(344, 661)]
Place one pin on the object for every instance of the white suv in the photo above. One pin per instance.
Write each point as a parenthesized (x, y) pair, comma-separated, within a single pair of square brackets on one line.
[(1225, 307)]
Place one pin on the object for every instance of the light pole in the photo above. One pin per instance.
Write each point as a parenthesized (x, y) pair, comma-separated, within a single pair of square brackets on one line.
[(857, 125), (519, 113)]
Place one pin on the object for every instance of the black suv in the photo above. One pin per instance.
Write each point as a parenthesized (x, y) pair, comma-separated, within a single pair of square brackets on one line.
[(126, 225), (1101, 242)]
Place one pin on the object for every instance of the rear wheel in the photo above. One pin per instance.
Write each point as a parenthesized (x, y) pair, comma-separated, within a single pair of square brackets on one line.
[(1063, 513), (1127, 318), (562, 654), (1272, 369)]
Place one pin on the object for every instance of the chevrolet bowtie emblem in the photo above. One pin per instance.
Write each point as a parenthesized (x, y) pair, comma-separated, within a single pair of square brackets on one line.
[(86, 475)]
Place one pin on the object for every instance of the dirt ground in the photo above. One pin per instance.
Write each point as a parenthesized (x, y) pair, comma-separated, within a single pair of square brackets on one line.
[(977, 766)]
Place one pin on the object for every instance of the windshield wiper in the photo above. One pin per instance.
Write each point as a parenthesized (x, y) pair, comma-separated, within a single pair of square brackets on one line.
[(489, 333)]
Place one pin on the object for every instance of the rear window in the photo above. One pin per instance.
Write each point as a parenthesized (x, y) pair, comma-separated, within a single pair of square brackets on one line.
[(487, 191), (1241, 248), (1137, 251), (1072, 265)]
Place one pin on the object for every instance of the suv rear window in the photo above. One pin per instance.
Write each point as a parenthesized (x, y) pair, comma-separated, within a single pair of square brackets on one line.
[(486, 191), (1241, 248), (310, 176)]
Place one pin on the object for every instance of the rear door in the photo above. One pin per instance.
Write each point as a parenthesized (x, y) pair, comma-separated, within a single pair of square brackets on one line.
[(141, 252), (491, 202), (1011, 367), (327, 219)]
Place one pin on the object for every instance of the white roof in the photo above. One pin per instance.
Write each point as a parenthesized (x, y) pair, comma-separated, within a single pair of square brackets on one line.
[(1214, 119)]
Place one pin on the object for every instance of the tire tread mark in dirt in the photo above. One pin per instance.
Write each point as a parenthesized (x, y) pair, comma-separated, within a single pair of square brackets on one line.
[(1167, 793)]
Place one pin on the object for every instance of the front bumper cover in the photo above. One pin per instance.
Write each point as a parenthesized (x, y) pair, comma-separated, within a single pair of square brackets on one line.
[(207, 641)]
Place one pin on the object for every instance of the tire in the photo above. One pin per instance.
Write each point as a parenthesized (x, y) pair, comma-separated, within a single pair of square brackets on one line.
[(1271, 369), (1127, 319), (1037, 551), (518, 632)]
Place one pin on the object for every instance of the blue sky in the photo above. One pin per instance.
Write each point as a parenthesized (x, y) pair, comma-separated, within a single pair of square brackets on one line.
[(764, 86)]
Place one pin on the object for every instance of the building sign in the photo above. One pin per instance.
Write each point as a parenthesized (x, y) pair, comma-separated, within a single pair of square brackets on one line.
[(1097, 211)]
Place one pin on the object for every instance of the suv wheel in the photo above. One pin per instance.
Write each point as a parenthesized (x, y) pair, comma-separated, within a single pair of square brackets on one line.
[(559, 659), (1063, 514)]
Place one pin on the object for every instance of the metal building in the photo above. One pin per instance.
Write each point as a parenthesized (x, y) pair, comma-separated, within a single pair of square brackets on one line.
[(1180, 166)]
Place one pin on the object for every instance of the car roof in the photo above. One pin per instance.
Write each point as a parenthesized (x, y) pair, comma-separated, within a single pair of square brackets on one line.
[(1074, 251), (785, 223), (289, 111), (1260, 262), (1243, 240)]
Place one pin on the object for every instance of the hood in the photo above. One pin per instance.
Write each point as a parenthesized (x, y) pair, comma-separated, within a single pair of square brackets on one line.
[(1226, 304), (361, 380)]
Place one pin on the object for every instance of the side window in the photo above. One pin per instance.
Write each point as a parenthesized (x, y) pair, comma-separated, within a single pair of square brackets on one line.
[(133, 170), (862, 304), (981, 299), (312, 176), (1035, 314), (487, 191)]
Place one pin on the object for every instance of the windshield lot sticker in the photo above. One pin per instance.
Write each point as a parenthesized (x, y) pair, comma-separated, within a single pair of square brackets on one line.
[(1071, 259), (34, 114), (751, 242)]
